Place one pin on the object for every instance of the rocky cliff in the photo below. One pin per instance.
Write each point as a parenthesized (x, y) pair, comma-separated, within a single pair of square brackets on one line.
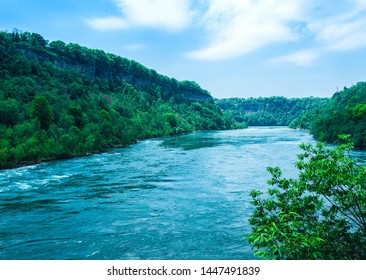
[(96, 64)]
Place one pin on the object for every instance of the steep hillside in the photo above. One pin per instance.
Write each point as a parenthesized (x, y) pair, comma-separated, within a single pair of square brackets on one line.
[(276, 110), (344, 113), (62, 100)]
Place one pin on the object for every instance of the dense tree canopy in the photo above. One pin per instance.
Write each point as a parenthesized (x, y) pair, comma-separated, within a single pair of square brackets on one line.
[(273, 111), (62, 100), (326, 119), (345, 113)]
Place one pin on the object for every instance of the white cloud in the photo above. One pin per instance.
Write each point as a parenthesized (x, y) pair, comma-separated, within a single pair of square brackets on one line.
[(299, 58), (171, 15), (341, 28), (238, 27), (342, 32)]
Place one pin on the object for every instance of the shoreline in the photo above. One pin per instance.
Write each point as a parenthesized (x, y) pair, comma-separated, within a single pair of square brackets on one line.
[(29, 163)]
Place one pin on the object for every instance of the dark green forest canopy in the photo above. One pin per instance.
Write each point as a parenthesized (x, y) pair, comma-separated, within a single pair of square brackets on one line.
[(345, 113), (26, 49), (61, 100), (325, 118), (273, 111)]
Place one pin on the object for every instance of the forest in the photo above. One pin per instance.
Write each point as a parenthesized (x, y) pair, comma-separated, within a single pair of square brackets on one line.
[(344, 113), (61, 100), (270, 111), (325, 118)]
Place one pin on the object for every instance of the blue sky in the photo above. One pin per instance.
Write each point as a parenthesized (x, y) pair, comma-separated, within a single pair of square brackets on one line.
[(233, 48)]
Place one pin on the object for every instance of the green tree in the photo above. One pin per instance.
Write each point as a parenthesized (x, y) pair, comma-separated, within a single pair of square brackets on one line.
[(89, 100), (76, 90), (9, 111), (4, 151), (344, 113), (41, 110), (77, 113), (319, 215)]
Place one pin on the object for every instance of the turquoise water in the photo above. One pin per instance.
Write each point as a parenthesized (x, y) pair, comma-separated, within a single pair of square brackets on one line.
[(184, 197)]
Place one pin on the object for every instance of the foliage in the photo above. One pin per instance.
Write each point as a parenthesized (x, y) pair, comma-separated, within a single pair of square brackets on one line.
[(61, 100), (271, 111), (344, 113), (41, 110), (319, 215)]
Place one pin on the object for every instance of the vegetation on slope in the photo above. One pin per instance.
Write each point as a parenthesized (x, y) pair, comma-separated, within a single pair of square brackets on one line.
[(325, 118), (270, 111), (345, 113), (62, 100)]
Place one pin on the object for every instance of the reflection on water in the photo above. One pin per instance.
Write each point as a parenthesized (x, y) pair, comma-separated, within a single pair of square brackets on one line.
[(192, 141), (180, 197)]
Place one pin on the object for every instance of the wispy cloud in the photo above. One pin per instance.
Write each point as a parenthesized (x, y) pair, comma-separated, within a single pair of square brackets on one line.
[(299, 58), (334, 26), (171, 15), (342, 32), (232, 28), (238, 27)]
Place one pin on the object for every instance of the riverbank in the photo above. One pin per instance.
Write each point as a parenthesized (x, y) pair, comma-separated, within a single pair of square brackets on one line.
[(32, 162)]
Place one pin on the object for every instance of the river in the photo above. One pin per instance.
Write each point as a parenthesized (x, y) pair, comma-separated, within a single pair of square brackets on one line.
[(184, 197)]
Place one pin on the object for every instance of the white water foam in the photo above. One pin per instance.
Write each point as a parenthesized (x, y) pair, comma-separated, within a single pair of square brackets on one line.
[(23, 186)]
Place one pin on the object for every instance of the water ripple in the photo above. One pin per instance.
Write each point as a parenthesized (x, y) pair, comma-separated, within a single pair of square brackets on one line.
[(183, 197)]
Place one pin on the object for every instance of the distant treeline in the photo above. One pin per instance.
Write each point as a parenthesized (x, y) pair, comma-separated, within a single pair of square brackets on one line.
[(325, 118), (271, 111), (61, 100)]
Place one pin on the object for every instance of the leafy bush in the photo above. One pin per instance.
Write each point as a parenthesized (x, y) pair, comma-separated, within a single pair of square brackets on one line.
[(319, 215)]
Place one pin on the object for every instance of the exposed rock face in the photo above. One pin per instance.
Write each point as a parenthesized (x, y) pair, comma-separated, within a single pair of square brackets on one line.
[(142, 79)]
